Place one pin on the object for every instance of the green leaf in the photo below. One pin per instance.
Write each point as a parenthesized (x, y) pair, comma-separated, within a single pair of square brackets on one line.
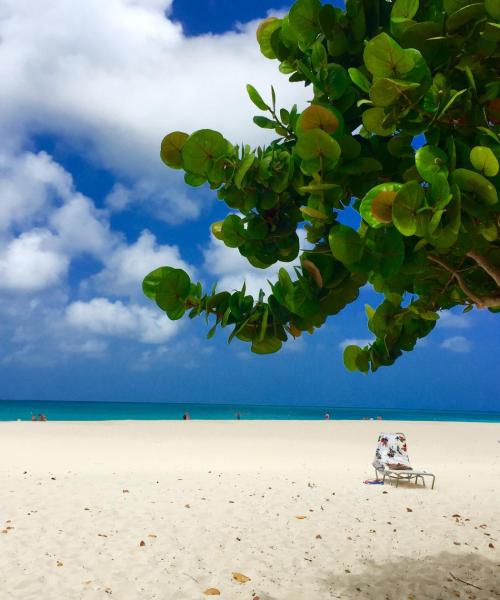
[(359, 78), (304, 19), (264, 122), (171, 146), (351, 354), (232, 231), (172, 292), (470, 181), (194, 180), (268, 345), (318, 117), (492, 8), (202, 149), (385, 91), (384, 57), (243, 168), (373, 120), (464, 15), (346, 244), (264, 32), (431, 161), (315, 143), (392, 250), (374, 204), (216, 229), (256, 98), (151, 281), (404, 9), (483, 160)]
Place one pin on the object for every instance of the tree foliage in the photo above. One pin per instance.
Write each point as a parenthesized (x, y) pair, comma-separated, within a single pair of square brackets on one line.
[(403, 127)]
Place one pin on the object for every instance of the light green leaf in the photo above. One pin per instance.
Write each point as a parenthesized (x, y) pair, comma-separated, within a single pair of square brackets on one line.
[(345, 243), (256, 98), (483, 160), (373, 119), (171, 146), (384, 57), (431, 161), (202, 149)]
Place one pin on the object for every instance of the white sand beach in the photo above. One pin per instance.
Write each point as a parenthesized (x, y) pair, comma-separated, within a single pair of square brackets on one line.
[(168, 510)]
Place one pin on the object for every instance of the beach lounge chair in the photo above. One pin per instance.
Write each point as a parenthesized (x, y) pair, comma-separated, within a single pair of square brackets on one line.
[(392, 461)]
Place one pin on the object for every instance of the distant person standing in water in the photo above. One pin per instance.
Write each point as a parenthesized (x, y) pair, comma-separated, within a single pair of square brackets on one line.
[(327, 416), (186, 417), (238, 416)]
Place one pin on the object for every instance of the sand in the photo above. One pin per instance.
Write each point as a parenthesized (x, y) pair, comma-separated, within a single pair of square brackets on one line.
[(168, 510)]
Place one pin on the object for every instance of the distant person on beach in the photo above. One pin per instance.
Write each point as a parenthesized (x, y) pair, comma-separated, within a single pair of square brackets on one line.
[(33, 417), (186, 417), (327, 416), (43, 417), (238, 416)]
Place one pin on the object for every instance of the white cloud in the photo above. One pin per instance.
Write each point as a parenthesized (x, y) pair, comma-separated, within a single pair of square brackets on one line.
[(354, 342), (127, 266), (112, 78), (116, 319), (457, 343), (82, 228), (28, 184), (32, 262), (450, 320)]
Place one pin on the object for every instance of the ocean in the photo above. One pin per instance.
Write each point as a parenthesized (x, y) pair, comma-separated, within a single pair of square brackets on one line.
[(14, 410)]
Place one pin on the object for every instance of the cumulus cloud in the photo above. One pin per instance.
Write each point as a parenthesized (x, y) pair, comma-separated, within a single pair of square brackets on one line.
[(80, 227), (457, 343), (116, 319), (28, 184), (111, 78), (32, 262), (126, 266)]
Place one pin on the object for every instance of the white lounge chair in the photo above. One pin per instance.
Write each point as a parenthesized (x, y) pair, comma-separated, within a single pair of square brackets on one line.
[(392, 461)]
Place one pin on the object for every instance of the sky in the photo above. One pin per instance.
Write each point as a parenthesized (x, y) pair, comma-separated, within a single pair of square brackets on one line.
[(87, 209)]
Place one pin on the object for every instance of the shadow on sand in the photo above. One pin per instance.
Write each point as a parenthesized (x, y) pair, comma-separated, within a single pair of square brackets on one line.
[(440, 577)]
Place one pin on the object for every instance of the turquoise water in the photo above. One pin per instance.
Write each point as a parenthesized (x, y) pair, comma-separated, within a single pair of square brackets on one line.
[(12, 410)]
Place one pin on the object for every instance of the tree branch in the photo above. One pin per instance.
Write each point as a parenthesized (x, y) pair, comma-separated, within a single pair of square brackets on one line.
[(485, 265), (480, 302)]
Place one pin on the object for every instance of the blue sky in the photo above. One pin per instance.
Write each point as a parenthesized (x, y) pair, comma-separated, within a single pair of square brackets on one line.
[(87, 209)]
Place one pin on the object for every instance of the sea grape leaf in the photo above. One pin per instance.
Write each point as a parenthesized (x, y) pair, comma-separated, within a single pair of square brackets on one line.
[(407, 202), (172, 292), (384, 57), (201, 149), (483, 160), (315, 143), (360, 79), (345, 243), (264, 32), (386, 91), (233, 231), (171, 146), (470, 181), (318, 117), (385, 193), (152, 280), (373, 120), (304, 19), (404, 9), (431, 161)]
